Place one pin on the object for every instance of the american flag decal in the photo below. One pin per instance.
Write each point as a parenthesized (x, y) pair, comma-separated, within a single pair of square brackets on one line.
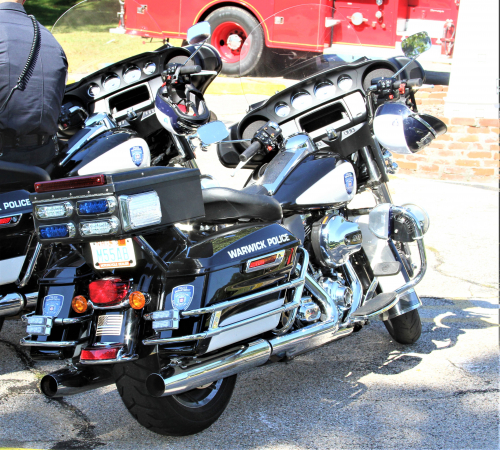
[(109, 325)]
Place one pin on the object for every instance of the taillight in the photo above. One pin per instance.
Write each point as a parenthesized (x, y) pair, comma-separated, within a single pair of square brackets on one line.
[(70, 183), (108, 291), (262, 262), (11, 220), (97, 354), (265, 262), (290, 257)]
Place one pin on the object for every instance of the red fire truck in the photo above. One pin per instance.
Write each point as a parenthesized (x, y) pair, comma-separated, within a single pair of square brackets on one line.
[(378, 24)]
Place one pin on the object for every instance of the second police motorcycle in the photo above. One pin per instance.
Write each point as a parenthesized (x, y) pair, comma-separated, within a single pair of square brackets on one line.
[(169, 290)]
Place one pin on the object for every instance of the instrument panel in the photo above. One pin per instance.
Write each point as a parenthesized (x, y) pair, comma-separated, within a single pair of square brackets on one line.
[(306, 105), (128, 84)]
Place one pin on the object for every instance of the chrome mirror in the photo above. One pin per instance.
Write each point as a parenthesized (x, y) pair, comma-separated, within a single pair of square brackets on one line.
[(416, 44), (198, 33), (211, 133)]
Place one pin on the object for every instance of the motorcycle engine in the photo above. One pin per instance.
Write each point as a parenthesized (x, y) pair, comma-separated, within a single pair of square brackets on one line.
[(336, 289), (333, 239)]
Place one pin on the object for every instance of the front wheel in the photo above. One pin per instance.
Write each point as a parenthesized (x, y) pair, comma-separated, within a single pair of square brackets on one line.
[(231, 28), (175, 415), (406, 328)]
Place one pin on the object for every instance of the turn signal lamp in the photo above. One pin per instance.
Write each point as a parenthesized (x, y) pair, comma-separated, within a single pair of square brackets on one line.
[(97, 354), (137, 300), (79, 304), (70, 183), (108, 291)]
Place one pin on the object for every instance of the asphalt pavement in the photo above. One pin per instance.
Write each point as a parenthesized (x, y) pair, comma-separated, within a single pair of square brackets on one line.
[(362, 392)]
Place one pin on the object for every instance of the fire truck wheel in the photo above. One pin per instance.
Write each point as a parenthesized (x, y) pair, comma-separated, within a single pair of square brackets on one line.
[(231, 27)]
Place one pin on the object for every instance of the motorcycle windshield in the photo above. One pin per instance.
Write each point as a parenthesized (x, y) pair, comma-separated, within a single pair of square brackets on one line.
[(93, 35), (321, 47)]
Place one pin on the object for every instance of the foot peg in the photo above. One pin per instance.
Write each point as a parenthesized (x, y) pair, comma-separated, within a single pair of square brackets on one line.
[(386, 269), (378, 305)]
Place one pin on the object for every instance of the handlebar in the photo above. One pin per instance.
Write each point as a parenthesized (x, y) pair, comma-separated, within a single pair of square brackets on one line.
[(415, 82), (250, 152), (188, 70)]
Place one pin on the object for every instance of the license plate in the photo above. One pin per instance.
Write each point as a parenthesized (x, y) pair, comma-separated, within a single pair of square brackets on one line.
[(113, 254)]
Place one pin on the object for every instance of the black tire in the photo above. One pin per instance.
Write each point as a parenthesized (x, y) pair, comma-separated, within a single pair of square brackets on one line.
[(248, 23), (173, 415), (1, 322), (406, 328)]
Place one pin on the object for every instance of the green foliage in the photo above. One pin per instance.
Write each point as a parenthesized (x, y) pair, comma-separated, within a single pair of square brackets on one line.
[(48, 11)]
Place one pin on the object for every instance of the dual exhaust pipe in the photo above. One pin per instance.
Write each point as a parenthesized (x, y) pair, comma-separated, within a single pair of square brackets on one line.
[(208, 369), (201, 371)]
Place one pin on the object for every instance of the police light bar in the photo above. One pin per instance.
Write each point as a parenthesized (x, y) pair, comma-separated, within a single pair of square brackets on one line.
[(70, 183)]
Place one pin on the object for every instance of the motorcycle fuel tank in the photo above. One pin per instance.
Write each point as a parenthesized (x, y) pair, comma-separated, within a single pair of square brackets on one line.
[(321, 179), (114, 151)]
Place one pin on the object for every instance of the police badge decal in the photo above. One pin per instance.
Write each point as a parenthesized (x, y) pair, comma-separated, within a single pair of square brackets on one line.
[(137, 155), (52, 305), (182, 296)]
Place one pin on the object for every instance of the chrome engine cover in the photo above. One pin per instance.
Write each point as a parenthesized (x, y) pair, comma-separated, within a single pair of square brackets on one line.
[(338, 292), (333, 239)]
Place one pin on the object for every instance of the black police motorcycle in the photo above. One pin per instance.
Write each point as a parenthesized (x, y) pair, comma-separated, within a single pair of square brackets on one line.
[(104, 125), (170, 291)]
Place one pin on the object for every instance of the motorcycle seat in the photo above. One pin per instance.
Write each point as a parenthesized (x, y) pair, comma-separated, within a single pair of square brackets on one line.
[(20, 176), (224, 205)]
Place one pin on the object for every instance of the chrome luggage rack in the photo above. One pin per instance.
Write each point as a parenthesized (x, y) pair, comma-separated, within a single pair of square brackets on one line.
[(29, 342), (216, 310)]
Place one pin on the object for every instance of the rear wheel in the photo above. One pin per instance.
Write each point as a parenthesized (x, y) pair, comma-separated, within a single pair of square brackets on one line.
[(175, 415), (231, 28), (406, 328)]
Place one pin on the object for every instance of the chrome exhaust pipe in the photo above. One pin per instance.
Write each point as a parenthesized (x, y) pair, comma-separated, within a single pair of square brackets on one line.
[(14, 303), (306, 339), (71, 381), (11, 304), (184, 376), (205, 370)]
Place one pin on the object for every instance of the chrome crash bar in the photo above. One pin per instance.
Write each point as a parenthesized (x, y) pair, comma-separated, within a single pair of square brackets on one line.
[(216, 310)]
